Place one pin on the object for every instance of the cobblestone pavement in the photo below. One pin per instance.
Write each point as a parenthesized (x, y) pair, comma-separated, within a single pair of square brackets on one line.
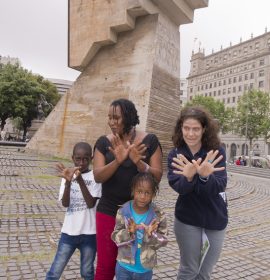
[(31, 218)]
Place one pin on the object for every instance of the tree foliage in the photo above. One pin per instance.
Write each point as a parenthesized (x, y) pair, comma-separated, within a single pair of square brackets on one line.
[(20, 93), (216, 108), (253, 115)]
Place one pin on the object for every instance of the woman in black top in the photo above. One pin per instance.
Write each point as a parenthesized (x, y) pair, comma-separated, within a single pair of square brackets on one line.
[(118, 157), (196, 171)]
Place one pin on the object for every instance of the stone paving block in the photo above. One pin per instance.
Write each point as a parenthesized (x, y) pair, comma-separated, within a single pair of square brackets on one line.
[(31, 219)]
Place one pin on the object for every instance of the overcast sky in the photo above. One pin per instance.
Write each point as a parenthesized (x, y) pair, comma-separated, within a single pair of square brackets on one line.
[(35, 31)]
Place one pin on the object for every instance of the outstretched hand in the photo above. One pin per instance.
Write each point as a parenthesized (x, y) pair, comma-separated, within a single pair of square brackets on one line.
[(207, 167), (151, 227), (67, 173), (136, 152), (119, 151), (184, 167)]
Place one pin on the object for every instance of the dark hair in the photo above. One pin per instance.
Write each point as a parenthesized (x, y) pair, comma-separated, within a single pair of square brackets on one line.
[(210, 139), (142, 177), (83, 145), (129, 113)]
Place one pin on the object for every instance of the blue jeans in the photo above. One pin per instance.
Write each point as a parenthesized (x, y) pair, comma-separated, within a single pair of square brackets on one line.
[(66, 247), (122, 274)]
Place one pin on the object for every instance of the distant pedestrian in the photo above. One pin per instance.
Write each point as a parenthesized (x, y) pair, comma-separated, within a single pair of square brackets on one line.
[(244, 161), (79, 193), (196, 171), (238, 161), (141, 228)]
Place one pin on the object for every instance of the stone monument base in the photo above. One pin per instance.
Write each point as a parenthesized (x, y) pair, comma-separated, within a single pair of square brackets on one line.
[(35, 125)]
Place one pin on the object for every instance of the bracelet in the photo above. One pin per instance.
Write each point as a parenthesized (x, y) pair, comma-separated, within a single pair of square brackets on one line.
[(204, 179)]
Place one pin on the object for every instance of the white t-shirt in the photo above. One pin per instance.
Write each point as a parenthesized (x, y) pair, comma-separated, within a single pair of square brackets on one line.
[(80, 219)]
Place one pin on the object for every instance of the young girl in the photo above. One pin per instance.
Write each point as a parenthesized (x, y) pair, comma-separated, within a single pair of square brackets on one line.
[(79, 193), (141, 228)]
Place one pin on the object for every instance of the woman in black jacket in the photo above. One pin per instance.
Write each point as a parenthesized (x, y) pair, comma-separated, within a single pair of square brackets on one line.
[(196, 171)]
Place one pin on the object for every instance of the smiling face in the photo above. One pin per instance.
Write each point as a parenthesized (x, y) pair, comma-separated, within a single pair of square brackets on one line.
[(143, 195), (115, 120), (192, 131)]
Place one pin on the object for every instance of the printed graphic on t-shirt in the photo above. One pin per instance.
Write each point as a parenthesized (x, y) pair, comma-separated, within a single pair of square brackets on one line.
[(77, 202)]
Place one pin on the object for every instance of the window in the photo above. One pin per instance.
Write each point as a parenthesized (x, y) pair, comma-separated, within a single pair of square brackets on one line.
[(261, 84), (261, 73), (181, 92), (251, 75), (228, 100), (261, 62), (240, 78), (239, 88), (191, 90), (233, 99), (229, 81), (229, 90), (224, 82), (246, 76), (234, 80), (219, 83), (234, 89), (224, 91), (251, 86), (219, 92)]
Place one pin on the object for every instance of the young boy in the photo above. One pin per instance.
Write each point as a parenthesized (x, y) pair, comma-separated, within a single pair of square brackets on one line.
[(79, 193), (141, 228)]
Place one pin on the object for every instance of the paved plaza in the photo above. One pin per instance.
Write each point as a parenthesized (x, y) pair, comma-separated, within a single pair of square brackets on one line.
[(31, 219)]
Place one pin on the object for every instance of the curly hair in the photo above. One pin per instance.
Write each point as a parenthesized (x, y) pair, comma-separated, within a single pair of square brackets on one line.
[(144, 177), (210, 138), (129, 113)]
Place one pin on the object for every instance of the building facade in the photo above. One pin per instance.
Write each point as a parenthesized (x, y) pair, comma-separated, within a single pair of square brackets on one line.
[(62, 85), (225, 75), (183, 91)]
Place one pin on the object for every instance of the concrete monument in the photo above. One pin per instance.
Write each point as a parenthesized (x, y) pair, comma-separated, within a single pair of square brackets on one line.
[(123, 48)]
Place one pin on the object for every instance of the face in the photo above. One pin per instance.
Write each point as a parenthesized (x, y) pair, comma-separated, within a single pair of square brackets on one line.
[(115, 120), (192, 134), (82, 159), (143, 195)]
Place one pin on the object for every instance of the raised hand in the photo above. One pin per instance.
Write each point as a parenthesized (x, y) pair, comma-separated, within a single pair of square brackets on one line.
[(184, 167), (136, 152), (132, 226), (119, 151), (67, 173), (207, 167), (151, 228)]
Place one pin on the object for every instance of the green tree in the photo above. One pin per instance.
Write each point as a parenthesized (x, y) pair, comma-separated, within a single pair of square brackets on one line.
[(8, 93), (216, 108), (21, 92), (253, 116)]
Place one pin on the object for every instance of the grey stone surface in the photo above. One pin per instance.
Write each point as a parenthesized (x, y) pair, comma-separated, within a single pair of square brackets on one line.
[(31, 219)]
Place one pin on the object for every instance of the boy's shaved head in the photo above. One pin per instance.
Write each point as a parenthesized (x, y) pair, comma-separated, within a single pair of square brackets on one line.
[(83, 145)]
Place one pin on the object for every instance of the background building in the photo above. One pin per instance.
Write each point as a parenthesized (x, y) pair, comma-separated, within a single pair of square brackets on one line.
[(183, 91), (225, 75), (62, 85)]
